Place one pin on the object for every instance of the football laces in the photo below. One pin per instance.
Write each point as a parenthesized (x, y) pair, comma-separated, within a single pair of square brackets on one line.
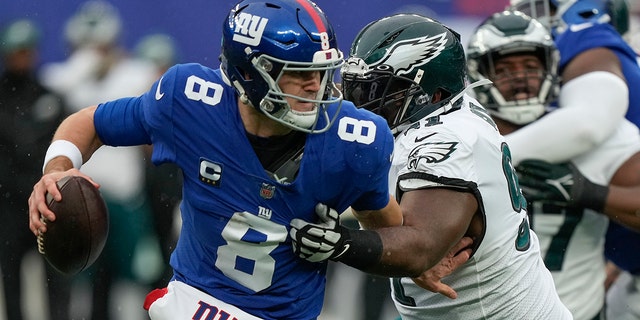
[(40, 237)]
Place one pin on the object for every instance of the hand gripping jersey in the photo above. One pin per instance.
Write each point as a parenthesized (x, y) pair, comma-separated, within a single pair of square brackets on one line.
[(235, 218), (506, 277), (572, 240)]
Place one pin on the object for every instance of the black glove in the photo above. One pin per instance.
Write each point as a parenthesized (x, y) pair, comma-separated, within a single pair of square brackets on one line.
[(321, 241), (560, 183)]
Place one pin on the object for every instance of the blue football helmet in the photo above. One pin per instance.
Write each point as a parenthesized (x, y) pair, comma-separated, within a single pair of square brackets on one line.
[(262, 39), (561, 14)]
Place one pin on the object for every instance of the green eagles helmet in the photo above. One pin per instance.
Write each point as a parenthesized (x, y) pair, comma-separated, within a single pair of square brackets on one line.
[(397, 64), (505, 34)]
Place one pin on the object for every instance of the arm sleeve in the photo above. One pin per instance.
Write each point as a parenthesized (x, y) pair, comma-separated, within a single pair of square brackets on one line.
[(591, 107)]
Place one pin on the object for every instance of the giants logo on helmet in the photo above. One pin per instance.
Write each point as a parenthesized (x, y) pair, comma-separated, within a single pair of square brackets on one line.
[(249, 28)]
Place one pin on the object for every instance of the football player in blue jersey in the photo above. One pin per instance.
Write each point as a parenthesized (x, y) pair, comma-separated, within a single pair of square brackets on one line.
[(260, 141), (600, 75), (452, 175)]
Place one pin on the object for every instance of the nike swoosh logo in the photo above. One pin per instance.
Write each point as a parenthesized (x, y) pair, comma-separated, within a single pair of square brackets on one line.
[(425, 137), (159, 94), (344, 249), (580, 27)]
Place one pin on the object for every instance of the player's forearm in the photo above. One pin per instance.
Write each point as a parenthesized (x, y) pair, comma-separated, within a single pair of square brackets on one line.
[(623, 206), (389, 216), (77, 129), (405, 253), (593, 104)]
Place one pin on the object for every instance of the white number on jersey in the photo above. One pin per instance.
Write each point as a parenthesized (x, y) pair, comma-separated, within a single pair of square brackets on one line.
[(199, 89), (242, 228), (362, 131)]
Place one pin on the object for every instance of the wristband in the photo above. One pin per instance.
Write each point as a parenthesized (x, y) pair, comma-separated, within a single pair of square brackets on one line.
[(593, 196), (66, 149), (362, 249)]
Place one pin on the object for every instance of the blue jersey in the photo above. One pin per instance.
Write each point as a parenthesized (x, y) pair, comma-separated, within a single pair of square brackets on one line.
[(619, 240), (234, 242), (572, 43)]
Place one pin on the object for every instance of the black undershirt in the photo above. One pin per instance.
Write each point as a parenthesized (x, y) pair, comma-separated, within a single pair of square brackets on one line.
[(274, 151)]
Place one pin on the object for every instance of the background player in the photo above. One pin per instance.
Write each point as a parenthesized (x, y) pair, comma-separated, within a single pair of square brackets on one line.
[(238, 133), (590, 48), (519, 56), (29, 114)]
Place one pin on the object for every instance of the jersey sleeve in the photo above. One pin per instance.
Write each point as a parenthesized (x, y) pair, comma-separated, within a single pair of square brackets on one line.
[(146, 119), (571, 43), (373, 162), (120, 123), (444, 159)]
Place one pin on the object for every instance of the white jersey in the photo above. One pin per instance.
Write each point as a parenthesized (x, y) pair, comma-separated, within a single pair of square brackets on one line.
[(506, 277), (572, 243)]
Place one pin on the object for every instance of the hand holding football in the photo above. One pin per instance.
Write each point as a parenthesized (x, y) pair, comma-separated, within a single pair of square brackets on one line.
[(77, 236)]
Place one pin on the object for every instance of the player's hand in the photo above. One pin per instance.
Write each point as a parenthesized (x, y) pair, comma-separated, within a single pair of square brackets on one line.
[(317, 242), (561, 183), (38, 208), (457, 256)]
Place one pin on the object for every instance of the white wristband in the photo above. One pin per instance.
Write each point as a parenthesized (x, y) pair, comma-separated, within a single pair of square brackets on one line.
[(66, 149)]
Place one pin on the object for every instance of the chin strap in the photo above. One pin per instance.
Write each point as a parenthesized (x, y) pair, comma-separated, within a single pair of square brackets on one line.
[(453, 103)]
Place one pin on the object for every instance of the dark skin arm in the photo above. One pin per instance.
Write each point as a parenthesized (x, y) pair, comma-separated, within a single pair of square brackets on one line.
[(435, 220), (596, 59), (623, 203)]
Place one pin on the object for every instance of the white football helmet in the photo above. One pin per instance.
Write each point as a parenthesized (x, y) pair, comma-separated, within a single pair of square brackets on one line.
[(511, 33)]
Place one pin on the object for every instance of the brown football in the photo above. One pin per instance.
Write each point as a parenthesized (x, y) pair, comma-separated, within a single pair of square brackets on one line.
[(76, 238)]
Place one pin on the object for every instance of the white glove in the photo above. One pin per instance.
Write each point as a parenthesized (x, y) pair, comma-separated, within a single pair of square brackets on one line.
[(318, 242)]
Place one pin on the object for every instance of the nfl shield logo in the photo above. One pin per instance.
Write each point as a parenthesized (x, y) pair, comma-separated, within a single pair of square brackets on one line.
[(267, 191)]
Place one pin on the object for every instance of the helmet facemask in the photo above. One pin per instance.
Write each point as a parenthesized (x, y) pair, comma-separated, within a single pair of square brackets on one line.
[(379, 90), (527, 75), (275, 104), (524, 93)]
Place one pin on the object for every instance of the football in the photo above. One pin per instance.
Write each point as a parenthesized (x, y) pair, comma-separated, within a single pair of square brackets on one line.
[(76, 238)]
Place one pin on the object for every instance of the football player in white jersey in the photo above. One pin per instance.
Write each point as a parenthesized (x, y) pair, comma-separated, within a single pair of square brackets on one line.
[(519, 56), (453, 177)]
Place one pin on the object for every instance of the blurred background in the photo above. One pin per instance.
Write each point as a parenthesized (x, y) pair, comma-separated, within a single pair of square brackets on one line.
[(137, 41), (196, 24)]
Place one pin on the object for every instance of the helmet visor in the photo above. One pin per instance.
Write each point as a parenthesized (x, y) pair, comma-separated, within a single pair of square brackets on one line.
[(380, 92)]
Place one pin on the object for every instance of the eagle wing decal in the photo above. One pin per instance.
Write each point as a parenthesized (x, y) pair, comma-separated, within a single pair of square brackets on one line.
[(412, 53)]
